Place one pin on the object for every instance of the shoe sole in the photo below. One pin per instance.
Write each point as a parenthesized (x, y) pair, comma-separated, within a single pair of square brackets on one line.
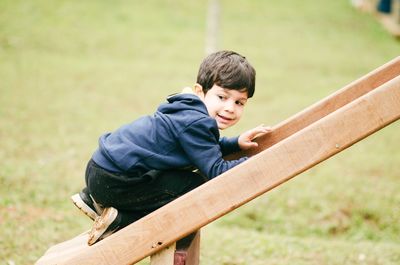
[(101, 225), (77, 200)]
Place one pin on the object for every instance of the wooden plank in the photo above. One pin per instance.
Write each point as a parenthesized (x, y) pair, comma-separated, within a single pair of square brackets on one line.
[(164, 257), (70, 246), (326, 106), (264, 171)]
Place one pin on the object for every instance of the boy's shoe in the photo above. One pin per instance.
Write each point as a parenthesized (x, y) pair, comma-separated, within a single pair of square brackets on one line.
[(106, 224), (87, 205)]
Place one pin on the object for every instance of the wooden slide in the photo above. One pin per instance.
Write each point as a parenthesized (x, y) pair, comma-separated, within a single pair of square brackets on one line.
[(295, 145)]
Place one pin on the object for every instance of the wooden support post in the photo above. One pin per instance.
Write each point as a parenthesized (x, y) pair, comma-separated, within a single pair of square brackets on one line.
[(184, 252), (301, 150), (164, 256), (188, 250)]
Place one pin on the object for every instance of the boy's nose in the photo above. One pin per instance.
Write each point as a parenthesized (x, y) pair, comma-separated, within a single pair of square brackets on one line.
[(230, 106)]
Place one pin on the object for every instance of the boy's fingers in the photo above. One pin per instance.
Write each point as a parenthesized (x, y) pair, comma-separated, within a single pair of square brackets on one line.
[(250, 145), (258, 135), (254, 144), (260, 131), (266, 128)]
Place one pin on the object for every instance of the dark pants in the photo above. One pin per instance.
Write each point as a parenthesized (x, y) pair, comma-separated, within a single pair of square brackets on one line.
[(139, 193)]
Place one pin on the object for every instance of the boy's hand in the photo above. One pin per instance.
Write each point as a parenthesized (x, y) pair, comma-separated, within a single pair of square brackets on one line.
[(246, 139)]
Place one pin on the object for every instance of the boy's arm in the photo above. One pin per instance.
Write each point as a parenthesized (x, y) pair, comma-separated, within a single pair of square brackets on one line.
[(199, 141), (229, 145)]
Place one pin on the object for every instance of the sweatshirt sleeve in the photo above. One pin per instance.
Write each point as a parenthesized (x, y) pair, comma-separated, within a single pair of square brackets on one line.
[(229, 145), (200, 143)]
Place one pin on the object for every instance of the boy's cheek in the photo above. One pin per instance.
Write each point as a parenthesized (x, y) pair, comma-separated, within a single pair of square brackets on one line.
[(239, 115)]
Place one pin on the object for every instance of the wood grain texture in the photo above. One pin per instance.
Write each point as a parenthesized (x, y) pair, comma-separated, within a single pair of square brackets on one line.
[(298, 152)]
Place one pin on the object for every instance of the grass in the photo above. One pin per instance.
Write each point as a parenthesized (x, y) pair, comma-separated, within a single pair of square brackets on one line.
[(70, 71)]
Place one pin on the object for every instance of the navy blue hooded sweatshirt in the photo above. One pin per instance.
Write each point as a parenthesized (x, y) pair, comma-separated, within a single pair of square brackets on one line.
[(180, 134)]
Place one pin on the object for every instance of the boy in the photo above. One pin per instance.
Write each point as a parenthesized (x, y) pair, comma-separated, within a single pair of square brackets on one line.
[(149, 162)]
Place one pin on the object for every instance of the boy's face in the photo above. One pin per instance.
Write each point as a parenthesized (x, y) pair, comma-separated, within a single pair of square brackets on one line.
[(225, 105)]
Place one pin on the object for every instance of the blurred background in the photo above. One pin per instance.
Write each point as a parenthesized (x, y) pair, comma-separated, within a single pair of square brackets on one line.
[(72, 70)]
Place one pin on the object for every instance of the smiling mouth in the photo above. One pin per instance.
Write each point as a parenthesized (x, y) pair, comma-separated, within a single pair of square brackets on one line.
[(223, 118)]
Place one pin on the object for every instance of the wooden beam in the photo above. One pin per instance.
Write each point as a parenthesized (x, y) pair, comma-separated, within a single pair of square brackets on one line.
[(326, 106), (264, 171)]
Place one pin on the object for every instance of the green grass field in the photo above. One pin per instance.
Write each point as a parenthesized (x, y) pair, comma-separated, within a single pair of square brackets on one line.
[(72, 70)]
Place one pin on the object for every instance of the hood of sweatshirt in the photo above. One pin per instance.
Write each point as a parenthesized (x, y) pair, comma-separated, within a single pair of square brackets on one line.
[(183, 102)]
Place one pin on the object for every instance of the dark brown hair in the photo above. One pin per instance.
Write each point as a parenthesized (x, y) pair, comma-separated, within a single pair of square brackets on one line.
[(227, 69)]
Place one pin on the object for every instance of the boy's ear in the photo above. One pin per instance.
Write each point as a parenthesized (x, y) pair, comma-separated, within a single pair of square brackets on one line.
[(198, 90)]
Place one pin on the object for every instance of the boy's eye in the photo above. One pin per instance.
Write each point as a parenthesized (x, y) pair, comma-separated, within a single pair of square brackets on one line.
[(221, 97), (240, 103)]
